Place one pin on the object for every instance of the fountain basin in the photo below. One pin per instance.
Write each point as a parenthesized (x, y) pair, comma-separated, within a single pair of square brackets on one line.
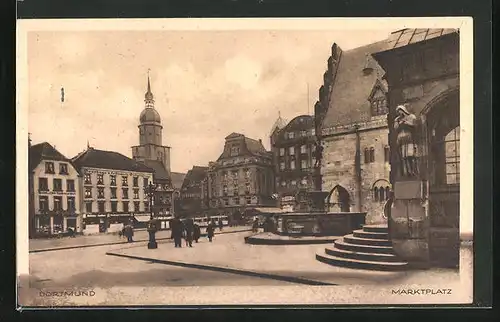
[(301, 224)]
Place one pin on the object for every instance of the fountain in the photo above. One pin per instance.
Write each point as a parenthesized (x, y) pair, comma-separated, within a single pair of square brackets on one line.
[(311, 222)]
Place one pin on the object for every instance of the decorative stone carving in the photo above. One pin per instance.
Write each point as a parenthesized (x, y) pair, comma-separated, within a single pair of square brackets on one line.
[(405, 126)]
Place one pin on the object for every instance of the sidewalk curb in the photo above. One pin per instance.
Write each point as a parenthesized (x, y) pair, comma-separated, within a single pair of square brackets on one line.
[(291, 279), (120, 242)]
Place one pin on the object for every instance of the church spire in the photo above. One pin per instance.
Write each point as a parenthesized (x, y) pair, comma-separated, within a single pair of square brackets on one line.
[(148, 97)]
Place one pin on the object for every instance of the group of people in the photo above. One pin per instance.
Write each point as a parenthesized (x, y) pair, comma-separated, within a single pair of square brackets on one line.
[(191, 231), (187, 230)]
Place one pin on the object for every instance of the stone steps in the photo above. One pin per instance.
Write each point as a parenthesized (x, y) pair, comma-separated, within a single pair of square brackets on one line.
[(374, 257), (376, 228), (367, 248), (370, 234), (366, 241), (361, 264), (340, 244)]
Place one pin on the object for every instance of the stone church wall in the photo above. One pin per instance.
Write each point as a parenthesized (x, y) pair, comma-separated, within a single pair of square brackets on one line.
[(339, 169)]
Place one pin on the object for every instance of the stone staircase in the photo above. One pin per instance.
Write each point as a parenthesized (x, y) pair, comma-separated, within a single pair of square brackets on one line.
[(367, 248)]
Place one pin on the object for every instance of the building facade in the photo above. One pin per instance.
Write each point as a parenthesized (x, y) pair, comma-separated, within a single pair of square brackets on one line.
[(351, 115), (242, 178), (113, 190), (56, 191), (156, 156), (422, 72), (191, 198), (293, 156)]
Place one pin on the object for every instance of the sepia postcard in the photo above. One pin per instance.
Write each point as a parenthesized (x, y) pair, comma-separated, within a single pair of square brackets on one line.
[(174, 162)]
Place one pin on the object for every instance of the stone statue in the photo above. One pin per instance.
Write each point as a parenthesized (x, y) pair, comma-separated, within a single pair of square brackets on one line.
[(405, 124), (318, 154)]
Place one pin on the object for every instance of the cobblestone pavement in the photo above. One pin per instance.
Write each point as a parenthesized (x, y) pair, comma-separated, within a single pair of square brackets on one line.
[(122, 281), (90, 240), (230, 251)]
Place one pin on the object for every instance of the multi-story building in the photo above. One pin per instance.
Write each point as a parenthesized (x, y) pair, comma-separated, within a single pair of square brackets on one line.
[(242, 178), (351, 116), (56, 192), (191, 199), (113, 188), (293, 155), (156, 156)]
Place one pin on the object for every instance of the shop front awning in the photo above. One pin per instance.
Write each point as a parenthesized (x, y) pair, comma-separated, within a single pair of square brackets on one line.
[(142, 218), (270, 210)]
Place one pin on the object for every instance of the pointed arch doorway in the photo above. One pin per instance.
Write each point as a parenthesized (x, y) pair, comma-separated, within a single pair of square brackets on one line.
[(443, 144), (339, 200)]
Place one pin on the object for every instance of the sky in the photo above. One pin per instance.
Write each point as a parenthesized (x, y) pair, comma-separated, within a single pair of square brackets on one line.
[(206, 84)]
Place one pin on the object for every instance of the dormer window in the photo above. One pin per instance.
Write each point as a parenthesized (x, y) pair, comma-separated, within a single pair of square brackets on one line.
[(235, 151), (379, 106)]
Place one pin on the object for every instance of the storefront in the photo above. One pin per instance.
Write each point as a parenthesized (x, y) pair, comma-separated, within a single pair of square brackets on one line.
[(55, 223)]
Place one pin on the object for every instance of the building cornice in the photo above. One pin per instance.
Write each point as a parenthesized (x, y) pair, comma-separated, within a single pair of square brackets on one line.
[(90, 170), (378, 122)]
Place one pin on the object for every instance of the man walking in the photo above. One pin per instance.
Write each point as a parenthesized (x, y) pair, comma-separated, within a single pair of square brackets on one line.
[(196, 232), (177, 228), (129, 232), (211, 230), (189, 232)]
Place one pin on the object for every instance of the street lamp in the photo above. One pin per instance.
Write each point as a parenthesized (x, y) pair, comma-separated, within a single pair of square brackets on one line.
[(152, 224)]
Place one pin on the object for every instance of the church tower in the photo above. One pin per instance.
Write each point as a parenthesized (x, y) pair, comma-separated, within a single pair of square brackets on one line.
[(150, 134)]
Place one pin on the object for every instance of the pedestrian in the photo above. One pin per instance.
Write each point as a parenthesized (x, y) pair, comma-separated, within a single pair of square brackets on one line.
[(129, 232), (177, 229), (255, 225), (189, 232), (196, 232), (221, 224), (211, 230)]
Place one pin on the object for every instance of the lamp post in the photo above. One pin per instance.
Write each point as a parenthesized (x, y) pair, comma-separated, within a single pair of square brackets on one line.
[(152, 224)]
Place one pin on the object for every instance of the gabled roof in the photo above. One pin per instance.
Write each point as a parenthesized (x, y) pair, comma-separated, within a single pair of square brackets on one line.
[(160, 173), (376, 87), (43, 151), (194, 176), (94, 158), (177, 179), (352, 88)]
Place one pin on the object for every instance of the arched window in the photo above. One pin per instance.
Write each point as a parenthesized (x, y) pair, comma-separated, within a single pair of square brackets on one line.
[(375, 194), (387, 155), (372, 155), (381, 192), (367, 155)]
